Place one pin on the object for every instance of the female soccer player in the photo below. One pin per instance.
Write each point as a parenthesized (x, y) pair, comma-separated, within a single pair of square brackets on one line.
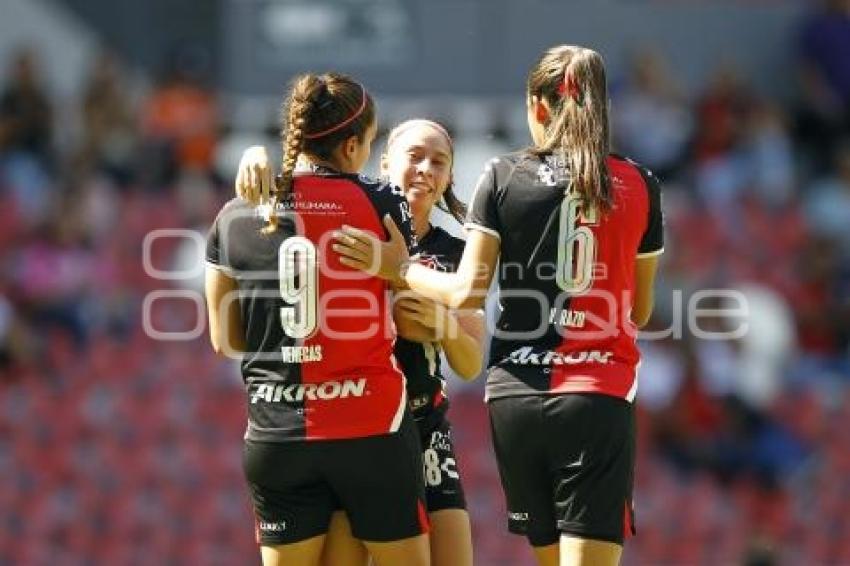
[(328, 424), (418, 158), (577, 232)]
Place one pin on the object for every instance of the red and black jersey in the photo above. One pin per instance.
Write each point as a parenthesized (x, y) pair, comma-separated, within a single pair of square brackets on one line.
[(319, 336), (421, 362), (566, 275)]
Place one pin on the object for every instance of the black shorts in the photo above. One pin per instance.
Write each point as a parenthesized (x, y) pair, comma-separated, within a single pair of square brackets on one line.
[(377, 481), (567, 465), (443, 489)]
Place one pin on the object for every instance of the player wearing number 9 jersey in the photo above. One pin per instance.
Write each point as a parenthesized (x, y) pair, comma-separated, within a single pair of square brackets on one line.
[(328, 423), (576, 233), (418, 158), (318, 361)]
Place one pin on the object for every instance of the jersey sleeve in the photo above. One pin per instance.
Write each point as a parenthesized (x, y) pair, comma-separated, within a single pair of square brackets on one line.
[(483, 211), (652, 242), (391, 201), (214, 257)]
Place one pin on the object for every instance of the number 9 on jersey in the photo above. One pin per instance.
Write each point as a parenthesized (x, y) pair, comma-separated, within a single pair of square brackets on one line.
[(299, 282)]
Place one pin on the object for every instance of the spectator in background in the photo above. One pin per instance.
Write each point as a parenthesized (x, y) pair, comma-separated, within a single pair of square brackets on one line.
[(25, 113), (721, 114), (769, 154), (109, 136), (180, 119), (828, 204), (7, 329), (52, 275), (651, 120), (824, 52), (25, 138), (820, 303)]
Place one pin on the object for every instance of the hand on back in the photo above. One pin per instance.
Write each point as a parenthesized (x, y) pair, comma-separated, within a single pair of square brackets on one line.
[(255, 177)]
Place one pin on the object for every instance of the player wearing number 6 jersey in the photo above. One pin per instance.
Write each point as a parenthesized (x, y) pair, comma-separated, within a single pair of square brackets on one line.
[(577, 233), (328, 422)]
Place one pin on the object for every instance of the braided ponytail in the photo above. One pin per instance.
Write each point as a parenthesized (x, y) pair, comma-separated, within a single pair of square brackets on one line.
[(320, 113), (293, 119)]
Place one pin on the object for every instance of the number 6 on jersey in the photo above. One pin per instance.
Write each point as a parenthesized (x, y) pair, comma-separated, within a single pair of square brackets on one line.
[(299, 277), (577, 246)]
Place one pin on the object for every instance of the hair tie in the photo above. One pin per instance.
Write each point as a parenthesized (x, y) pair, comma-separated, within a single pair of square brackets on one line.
[(569, 87), (344, 123), (322, 92)]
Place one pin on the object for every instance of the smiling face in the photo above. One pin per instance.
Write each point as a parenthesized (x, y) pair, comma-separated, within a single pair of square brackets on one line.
[(419, 160)]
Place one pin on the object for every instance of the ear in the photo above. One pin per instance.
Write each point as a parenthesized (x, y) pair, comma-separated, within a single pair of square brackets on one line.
[(349, 146), (541, 110), (385, 164)]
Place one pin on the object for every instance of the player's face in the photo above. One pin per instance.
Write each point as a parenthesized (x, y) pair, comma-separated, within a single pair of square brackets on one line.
[(420, 162)]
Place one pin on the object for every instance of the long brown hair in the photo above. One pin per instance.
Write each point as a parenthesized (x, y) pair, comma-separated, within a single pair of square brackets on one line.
[(452, 205), (319, 113), (572, 81)]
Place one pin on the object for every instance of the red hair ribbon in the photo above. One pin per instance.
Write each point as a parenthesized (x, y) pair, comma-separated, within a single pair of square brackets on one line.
[(569, 86)]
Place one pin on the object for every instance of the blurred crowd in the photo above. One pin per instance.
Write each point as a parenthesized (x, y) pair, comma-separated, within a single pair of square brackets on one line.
[(122, 448)]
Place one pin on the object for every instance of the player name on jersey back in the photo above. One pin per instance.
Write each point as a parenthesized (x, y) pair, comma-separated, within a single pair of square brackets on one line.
[(301, 354)]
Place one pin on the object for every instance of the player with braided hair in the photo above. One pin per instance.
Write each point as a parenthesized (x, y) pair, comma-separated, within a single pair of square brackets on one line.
[(328, 420), (418, 158)]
